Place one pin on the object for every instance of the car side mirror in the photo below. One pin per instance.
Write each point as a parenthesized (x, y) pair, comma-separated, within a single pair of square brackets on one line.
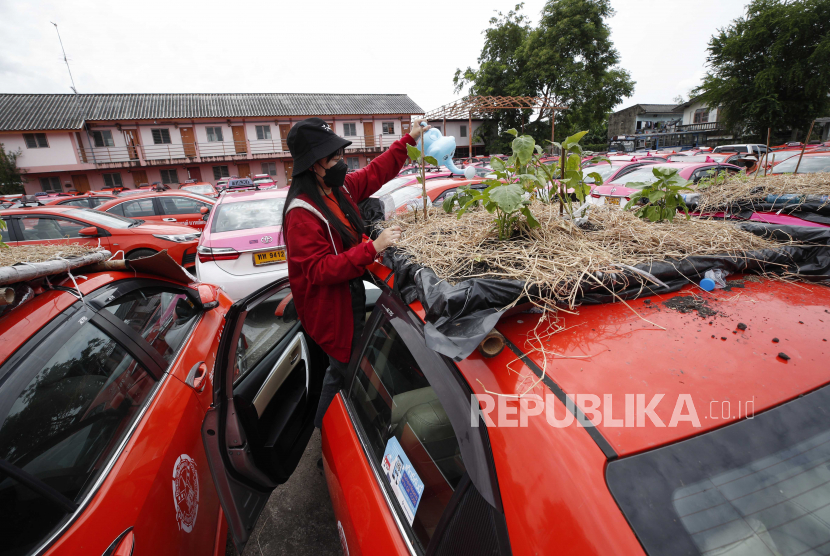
[(204, 210), (89, 231)]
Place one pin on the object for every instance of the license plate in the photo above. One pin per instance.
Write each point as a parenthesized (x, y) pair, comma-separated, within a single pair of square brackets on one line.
[(269, 257), (612, 201)]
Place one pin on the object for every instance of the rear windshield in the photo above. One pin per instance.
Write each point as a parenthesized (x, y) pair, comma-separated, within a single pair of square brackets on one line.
[(198, 188), (758, 487), (644, 174), (809, 165), (604, 170), (245, 215), (101, 218)]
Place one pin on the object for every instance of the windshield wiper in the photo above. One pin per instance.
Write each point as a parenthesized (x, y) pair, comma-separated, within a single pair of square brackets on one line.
[(37, 485), (136, 223)]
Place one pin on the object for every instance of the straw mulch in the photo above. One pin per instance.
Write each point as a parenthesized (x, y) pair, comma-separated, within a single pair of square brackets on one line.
[(39, 253), (558, 256), (749, 188)]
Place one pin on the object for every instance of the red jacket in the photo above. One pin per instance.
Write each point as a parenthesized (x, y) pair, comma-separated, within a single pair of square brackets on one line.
[(319, 269)]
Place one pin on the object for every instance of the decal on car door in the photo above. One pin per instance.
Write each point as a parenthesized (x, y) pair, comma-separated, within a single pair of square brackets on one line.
[(185, 492), (405, 482)]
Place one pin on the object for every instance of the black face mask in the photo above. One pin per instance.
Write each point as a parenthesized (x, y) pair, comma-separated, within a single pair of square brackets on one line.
[(336, 175)]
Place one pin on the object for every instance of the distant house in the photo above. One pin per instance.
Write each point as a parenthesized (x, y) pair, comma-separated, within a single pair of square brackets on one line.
[(654, 126), (95, 141)]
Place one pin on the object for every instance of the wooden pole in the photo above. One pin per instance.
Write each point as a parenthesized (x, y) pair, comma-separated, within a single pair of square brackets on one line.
[(809, 134), (766, 157), (470, 136), (423, 176), (552, 127)]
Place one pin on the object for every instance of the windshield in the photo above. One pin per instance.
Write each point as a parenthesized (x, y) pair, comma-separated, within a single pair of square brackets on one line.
[(644, 174), (245, 215), (205, 188), (405, 194), (391, 186), (604, 170), (101, 218), (809, 165), (758, 487)]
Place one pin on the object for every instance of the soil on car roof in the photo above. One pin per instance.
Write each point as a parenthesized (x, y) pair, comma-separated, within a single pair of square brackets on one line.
[(690, 304)]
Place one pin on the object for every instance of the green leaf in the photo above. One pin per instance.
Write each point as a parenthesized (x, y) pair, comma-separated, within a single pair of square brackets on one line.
[(497, 164), (523, 148), (597, 178), (512, 132), (420, 179), (430, 160), (574, 162), (413, 152), (656, 196), (531, 221), (573, 139), (508, 197), (538, 149)]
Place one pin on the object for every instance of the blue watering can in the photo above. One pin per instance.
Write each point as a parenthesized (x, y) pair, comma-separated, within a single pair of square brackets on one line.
[(442, 148)]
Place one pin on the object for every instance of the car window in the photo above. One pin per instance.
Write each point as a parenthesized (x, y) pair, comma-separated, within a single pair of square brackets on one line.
[(604, 170), (809, 165), (180, 205), (61, 422), (4, 232), (140, 208), (39, 228), (397, 407), (263, 328), (161, 316), (101, 218), (245, 215), (97, 201)]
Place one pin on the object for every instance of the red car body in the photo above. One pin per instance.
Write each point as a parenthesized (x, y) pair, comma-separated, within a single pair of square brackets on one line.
[(57, 224), (408, 197), (200, 188), (173, 208), (93, 199), (811, 163)]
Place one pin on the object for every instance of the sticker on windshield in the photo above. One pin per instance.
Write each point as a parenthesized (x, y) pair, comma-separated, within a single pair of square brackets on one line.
[(405, 482)]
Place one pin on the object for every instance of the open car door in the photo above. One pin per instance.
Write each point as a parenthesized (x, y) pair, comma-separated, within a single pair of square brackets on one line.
[(267, 381)]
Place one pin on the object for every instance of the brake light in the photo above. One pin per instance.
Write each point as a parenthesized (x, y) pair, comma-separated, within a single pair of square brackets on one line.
[(595, 196), (208, 254)]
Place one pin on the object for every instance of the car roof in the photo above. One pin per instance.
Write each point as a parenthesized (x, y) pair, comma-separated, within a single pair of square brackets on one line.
[(43, 209), (251, 194), (151, 194)]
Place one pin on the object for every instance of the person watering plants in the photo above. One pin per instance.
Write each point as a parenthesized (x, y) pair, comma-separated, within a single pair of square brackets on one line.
[(327, 249)]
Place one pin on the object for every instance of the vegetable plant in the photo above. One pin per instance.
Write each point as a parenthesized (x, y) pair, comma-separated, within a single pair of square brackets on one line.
[(418, 158), (571, 175), (507, 201), (660, 200)]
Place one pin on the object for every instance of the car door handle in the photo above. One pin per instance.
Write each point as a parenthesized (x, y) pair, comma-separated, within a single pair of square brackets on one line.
[(169, 219), (123, 545), (197, 376)]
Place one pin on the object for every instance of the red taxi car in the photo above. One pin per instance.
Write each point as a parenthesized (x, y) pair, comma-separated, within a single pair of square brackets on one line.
[(51, 225), (408, 197), (175, 208), (102, 403), (92, 199), (202, 188)]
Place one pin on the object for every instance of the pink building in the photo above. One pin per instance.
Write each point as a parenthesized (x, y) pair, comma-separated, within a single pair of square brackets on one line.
[(94, 141)]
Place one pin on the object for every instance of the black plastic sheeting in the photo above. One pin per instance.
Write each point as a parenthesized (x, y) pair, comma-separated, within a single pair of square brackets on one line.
[(459, 316)]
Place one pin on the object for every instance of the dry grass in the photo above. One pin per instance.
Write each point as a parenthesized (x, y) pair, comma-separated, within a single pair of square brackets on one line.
[(557, 257), (39, 253), (747, 188)]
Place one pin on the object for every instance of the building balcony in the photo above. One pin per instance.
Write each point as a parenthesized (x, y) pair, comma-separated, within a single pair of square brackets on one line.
[(212, 151), (708, 126)]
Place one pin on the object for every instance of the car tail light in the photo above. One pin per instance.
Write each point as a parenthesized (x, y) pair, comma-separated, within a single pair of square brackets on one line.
[(207, 254), (595, 196)]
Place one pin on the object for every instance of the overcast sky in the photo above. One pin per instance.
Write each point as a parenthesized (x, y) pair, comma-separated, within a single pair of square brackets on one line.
[(311, 46)]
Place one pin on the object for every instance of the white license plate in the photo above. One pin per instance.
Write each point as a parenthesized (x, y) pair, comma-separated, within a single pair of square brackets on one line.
[(612, 201)]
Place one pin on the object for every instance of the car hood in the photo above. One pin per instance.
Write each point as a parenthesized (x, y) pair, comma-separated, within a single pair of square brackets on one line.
[(158, 229)]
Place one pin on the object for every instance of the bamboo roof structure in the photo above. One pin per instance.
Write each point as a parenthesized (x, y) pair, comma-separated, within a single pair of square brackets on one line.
[(481, 105)]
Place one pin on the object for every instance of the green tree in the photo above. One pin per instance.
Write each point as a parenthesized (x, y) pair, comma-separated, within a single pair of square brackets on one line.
[(11, 180), (568, 59), (771, 68)]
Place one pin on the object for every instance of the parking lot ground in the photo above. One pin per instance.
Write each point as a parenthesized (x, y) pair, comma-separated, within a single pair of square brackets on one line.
[(298, 519)]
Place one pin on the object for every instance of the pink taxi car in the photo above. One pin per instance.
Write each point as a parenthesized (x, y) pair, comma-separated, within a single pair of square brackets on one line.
[(618, 192), (242, 248)]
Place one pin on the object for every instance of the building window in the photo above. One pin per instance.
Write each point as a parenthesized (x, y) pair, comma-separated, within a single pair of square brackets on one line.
[(701, 116), (214, 134), (103, 138), (161, 136), (263, 132), (50, 185), (389, 128), (463, 131), (112, 180), (35, 140), (169, 176), (220, 172), (349, 130), (269, 168), (353, 162)]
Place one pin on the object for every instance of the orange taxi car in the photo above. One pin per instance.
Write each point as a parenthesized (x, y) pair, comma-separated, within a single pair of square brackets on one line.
[(175, 207)]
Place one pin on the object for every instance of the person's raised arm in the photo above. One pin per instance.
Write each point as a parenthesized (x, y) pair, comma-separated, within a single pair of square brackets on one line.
[(366, 181)]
